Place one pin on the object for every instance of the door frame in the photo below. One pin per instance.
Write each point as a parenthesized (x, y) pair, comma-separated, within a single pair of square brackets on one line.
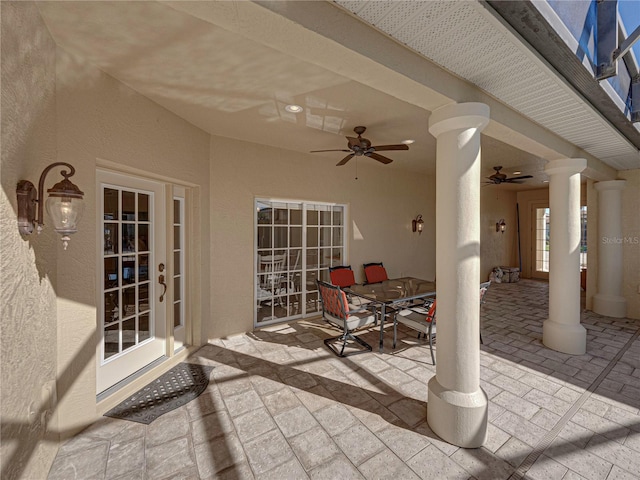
[(112, 395)]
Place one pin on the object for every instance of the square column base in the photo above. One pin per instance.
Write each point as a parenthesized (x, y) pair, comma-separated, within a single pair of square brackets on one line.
[(456, 417), (571, 339)]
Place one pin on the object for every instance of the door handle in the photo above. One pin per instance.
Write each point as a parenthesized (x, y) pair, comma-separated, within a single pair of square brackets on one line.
[(162, 282)]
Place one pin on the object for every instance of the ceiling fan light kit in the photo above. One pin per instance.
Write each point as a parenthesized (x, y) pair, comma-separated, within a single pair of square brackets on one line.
[(360, 146)]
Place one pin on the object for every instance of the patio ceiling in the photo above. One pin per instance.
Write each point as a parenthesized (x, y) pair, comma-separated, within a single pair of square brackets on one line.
[(231, 85)]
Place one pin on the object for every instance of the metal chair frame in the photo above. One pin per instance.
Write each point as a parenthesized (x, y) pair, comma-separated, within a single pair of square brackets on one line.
[(336, 311)]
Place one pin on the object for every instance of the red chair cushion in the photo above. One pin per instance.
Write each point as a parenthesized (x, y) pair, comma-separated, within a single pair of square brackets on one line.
[(343, 277), (375, 274)]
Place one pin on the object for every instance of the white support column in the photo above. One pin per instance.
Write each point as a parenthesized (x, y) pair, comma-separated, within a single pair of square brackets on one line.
[(562, 331), (457, 406), (609, 300)]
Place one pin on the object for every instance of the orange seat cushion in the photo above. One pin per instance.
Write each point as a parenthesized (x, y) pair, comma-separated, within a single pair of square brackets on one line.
[(343, 277), (375, 274)]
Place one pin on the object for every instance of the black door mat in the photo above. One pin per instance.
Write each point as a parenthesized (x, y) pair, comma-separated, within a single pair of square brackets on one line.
[(173, 389)]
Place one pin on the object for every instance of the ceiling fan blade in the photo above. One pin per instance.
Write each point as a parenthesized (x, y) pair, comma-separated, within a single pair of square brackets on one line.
[(353, 142), (520, 178), (382, 148), (338, 150), (345, 160), (510, 180), (379, 158)]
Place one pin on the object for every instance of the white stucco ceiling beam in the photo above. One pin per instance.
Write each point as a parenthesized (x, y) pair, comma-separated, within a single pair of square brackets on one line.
[(329, 37)]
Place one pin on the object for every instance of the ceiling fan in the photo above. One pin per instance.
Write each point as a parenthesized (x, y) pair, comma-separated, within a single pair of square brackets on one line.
[(362, 146), (498, 178)]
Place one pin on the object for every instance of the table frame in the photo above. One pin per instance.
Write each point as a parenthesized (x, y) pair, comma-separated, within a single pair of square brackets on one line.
[(368, 292)]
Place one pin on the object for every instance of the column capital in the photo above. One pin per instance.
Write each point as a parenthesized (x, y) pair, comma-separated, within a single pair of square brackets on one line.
[(565, 165), (610, 185), (458, 116)]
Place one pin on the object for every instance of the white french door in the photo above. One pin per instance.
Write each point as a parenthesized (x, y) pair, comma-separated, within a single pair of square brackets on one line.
[(540, 259), (132, 276), (295, 243)]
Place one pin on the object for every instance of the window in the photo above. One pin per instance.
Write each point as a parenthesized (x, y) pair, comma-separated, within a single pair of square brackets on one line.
[(296, 243)]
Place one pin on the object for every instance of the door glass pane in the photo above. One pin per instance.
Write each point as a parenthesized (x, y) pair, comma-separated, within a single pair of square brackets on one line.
[(129, 270), (128, 205), (177, 314), (325, 236), (143, 297), (176, 289), (325, 217), (128, 238), (111, 340), (111, 307), (110, 238), (144, 327), (143, 238), (111, 210), (295, 237), (312, 236), (295, 214), (110, 272), (280, 237), (264, 237), (542, 216), (143, 268), (337, 236), (129, 301), (128, 333), (143, 207), (176, 237), (281, 216)]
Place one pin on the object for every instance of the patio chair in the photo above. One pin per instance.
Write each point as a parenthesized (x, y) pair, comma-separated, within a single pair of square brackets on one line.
[(375, 272), (343, 277), (484, 286), (337, 311), (422, 319)]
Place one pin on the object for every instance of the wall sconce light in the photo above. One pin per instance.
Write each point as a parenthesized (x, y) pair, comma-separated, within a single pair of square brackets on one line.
[(501, 226), (65, 205), (417, 224)]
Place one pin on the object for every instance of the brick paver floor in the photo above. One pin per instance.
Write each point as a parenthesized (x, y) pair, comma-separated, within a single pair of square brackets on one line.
[(281, 406)]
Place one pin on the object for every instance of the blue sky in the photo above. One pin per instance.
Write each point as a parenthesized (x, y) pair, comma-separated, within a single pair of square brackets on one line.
[(630, 13)]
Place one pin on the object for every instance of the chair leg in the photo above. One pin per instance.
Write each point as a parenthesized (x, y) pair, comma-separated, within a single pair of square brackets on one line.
[(345, 337), (433, 358)]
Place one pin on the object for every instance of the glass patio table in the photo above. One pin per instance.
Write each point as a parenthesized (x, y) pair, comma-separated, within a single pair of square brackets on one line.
[(396, 292)]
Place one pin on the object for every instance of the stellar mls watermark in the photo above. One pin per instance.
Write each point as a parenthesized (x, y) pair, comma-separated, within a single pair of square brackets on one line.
[(621, 240)]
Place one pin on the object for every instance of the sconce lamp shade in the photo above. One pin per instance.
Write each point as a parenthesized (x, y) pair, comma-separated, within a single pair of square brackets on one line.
[(64, 204), (417, 224), (501, 226)]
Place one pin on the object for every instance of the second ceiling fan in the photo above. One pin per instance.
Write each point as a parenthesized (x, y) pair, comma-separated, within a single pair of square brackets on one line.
[(498, 178), (362, 147)]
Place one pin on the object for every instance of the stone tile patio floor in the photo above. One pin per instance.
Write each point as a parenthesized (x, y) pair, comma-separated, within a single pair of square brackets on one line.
[(281, 406)]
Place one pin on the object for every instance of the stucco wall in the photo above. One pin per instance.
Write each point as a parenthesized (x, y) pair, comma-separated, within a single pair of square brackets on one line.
[(497, 249), (631, 241), (27, 265), (382, 203), (100, 118)]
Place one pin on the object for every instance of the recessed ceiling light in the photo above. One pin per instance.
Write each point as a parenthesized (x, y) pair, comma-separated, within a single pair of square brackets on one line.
[(293, 108), (517, 172), (409, 141), (545, 181)]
